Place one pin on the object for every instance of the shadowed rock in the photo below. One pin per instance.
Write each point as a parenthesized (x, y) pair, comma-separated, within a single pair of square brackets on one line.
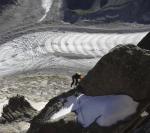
[(18, 109), (145, 42), (6, 3), (124, 70), (111, 10)]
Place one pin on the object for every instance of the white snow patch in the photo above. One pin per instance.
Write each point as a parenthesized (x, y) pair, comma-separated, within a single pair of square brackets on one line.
[(144, 114), (104, 110), (62, 112), (46, 5), (3, 102), (37, 105)]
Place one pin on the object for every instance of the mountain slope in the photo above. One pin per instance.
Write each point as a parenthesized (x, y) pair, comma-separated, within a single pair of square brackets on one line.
[(22, 14), (111, 10)]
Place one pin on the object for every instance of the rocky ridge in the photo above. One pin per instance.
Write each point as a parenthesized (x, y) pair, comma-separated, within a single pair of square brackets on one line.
[(19, 14), (18, 109), (117, 56)]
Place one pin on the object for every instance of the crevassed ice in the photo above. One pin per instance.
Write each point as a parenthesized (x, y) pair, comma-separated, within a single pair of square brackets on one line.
[(48, 49), (104, 110)]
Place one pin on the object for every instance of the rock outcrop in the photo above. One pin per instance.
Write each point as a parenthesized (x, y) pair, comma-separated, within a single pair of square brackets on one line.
[(18, 109), (19, 15), (124, 70), (145, 42), (42, 123)]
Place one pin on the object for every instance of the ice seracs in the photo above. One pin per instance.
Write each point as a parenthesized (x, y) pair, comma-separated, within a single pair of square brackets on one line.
[(104, 110)]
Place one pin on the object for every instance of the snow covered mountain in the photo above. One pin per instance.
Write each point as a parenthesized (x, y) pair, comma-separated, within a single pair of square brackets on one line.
[(21, 13), (17, 13)]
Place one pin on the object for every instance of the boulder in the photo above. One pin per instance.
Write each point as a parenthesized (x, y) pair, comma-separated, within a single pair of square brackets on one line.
[(124, 70), (18, 109)]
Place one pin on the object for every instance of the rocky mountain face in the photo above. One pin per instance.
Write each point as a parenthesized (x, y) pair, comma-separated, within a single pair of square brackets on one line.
[(124, 70), (20, 13)]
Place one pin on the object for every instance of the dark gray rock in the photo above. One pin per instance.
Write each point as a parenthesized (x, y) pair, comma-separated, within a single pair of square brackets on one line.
[(124, 70), (145, 42), (145, 128), (18, 109), (111, 10), (67, 124)]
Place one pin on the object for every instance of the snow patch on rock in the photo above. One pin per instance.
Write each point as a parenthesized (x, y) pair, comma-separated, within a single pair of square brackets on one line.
[(37, 105), (46, 4), (104, 110)]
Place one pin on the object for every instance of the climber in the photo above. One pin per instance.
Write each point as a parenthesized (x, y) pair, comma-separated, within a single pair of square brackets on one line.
[(76, 78)]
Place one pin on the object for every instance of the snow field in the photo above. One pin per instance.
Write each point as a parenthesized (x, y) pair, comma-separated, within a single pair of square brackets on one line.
[(104, 110)]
